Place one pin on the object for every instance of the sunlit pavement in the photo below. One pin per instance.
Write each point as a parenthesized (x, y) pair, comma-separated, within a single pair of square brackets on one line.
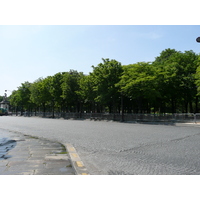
[(34, 156), (118, 148)]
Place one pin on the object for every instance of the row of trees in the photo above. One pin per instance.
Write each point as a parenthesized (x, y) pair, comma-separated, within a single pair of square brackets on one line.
[(171, 83)]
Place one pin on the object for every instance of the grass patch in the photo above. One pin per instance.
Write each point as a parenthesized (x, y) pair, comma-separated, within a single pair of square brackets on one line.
[(33, 137), (64, 152)]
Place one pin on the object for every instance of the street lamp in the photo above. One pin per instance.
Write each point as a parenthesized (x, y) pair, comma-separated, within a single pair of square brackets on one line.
[(198, 39)]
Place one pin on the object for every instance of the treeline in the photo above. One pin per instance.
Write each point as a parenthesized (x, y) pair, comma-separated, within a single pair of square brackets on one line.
[(169, 84)]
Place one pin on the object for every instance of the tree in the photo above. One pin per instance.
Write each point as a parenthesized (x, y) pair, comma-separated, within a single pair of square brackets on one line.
[(176, 72), (53, 83), (70, 90), (21, 98), (15, 100), (87, 92), (197, 76), (105, 76), (167, 80), (186, 74), (40, 94), (139, 83), (56, 89)]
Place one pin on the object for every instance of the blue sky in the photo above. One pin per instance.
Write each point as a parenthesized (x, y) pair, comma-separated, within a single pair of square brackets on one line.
[(29, 52)]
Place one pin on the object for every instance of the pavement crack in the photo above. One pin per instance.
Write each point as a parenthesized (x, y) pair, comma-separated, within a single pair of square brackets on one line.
[(7, 166), (186, 137), (140, 147), (157, 143), (30, 154)]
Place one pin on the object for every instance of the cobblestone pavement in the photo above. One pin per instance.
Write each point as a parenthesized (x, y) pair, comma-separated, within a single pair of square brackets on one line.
[(120, 148), (33, 156)]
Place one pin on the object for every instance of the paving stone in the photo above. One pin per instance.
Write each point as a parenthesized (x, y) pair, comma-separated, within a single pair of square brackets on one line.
[(20, 158), (17, 172), (33, 156), (24, 165), (56, 164), (2, 169), (55, 171), (3, 163), (56, 157)]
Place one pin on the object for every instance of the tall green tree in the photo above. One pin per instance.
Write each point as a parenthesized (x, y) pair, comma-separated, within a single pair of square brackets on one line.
[(15, 100), (176, 72), (197, 77), (167, 79), (70, 90), (87, 92), (40, 92), (105, 76), (21, 98), (186, 70), (53, 83), (56, 89), (139, 83)]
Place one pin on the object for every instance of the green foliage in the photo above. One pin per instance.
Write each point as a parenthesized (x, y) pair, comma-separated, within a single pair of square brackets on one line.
[(21, 97), (105, 77), (71, 88), (171, 83), (56, 89), (197, 75), (139, 80), (15, 98), (176, 77), (86, 91), (40, 91)]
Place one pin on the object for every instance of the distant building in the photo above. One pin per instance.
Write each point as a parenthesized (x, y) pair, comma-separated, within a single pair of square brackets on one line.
[(5, 103)]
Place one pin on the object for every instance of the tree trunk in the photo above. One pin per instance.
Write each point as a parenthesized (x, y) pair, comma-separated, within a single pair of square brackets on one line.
[(44, 109), (191, 108), (196, 105)]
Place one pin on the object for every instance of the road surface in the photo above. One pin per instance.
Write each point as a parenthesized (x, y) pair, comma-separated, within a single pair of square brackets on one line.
[(120, 148)]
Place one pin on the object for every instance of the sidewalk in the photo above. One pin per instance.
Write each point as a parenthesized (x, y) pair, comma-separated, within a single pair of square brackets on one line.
[(34, 156)]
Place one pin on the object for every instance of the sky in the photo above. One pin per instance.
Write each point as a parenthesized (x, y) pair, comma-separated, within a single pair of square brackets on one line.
[(28, 52)]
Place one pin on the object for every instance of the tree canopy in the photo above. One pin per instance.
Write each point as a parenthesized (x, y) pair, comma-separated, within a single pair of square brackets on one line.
[(171, 83)]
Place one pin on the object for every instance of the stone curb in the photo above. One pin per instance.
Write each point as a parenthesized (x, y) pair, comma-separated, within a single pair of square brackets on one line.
[(76, 162), (74, 158)]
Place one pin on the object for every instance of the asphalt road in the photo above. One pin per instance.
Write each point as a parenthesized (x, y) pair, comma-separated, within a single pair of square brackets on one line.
[(120, 148)]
